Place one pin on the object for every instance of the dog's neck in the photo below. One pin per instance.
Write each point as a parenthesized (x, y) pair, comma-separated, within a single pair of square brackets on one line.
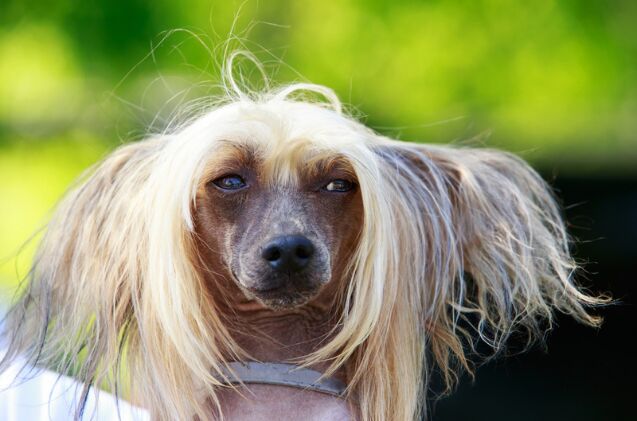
[(282, 336)]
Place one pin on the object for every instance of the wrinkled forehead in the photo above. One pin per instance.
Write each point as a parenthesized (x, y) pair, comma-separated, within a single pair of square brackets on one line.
[(278, 161)]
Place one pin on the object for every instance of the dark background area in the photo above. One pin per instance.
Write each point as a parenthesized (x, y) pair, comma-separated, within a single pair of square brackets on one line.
[(583, 374)]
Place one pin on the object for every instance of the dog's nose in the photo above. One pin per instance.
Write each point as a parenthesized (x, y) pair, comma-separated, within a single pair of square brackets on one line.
[(288, 253)]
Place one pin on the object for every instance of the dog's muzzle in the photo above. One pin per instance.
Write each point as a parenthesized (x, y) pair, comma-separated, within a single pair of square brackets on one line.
[(289, 271)]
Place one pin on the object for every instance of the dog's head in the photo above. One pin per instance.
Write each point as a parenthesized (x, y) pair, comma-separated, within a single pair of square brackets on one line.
[(280, 223)]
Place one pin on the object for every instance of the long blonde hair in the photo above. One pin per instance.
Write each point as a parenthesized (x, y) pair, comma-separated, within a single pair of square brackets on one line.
[(457, 244)]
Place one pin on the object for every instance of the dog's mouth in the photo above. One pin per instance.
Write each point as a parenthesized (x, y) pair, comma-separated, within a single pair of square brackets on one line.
[(276, 299), (281, 294)]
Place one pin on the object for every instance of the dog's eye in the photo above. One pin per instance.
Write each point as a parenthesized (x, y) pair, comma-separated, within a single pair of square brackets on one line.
[(339, 185), (230, 182)]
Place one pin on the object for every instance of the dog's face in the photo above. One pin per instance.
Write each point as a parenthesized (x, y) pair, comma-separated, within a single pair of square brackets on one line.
[(279, 231)]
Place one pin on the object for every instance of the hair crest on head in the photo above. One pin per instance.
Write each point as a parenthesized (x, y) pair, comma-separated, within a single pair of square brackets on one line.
[(235, 92)]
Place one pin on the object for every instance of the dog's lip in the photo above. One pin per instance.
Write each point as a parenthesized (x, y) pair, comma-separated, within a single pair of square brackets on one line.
[(293, 292), (296, 292), (257, 290), (283, 299), (286, 289)]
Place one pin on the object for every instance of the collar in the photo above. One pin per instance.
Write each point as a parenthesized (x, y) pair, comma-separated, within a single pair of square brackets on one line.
[(281, 374)]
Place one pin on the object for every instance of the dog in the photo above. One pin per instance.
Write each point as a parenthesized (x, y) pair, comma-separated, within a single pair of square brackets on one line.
[(207, 271)]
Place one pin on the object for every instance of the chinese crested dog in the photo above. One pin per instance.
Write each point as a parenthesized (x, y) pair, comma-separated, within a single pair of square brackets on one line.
[(277, 230)]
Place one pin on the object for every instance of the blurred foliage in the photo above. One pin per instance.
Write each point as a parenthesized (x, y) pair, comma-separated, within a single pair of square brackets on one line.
[(553, 80)]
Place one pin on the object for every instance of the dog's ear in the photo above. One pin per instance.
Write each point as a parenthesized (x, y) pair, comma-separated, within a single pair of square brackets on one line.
[(493, 254), (78, 299), (116, 275), (459, 247)]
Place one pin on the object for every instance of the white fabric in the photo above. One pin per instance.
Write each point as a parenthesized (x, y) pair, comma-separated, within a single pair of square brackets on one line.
[(49, 396), (41, 395)]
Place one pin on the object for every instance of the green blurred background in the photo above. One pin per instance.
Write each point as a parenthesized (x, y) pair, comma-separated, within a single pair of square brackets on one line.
[(552, 80)]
